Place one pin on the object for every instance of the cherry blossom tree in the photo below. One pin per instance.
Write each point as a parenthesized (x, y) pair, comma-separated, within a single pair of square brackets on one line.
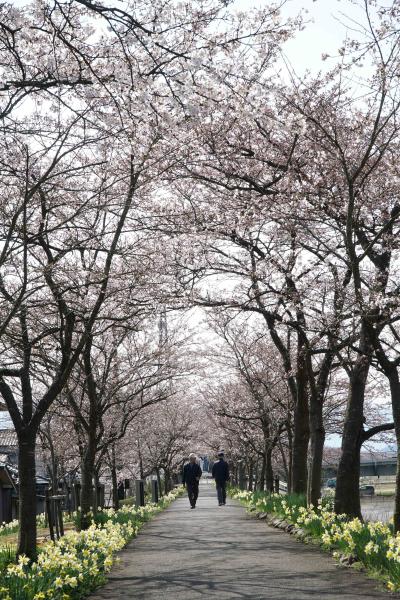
[(252, 396), (120, 374), (86, 119), (354, 192)]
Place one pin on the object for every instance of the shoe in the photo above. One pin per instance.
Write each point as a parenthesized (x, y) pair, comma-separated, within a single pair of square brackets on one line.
[(220, 504), (192, 507), (224, 503)]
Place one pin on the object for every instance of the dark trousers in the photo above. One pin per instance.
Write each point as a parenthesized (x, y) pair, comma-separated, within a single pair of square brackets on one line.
[(193, 492), (221, 491)]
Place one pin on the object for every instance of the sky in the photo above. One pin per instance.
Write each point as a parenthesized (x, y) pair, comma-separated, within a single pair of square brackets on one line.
[(324, 33)]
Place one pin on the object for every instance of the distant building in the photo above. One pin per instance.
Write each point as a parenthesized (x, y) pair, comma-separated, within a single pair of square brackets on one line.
[(8, 446), (372, 464), (9, 472)]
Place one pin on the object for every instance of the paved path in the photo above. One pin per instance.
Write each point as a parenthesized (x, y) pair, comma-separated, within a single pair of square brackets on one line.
[(214, 553)]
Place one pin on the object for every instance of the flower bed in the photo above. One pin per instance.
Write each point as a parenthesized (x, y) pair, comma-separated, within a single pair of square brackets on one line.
[(7, 529), (371, 544), (73, 566)]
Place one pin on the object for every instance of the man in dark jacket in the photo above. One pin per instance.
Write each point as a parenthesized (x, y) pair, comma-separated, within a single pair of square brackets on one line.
[(220, 473), (191, 478)]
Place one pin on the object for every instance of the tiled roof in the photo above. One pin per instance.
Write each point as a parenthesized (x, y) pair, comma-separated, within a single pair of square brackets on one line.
[(8, 438), (5, 421)]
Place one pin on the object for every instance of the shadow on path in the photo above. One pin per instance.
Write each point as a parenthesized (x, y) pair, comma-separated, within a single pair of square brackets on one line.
[(220, 553)]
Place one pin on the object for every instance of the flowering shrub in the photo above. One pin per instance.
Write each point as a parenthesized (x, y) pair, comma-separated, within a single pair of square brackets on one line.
[(372, 543), (69, 568)]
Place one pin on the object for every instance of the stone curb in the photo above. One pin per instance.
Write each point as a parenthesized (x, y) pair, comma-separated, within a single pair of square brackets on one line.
[(299, 533)]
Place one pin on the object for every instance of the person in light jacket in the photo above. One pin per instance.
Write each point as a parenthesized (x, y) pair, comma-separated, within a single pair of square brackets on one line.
[(191, 477), (220, 473)]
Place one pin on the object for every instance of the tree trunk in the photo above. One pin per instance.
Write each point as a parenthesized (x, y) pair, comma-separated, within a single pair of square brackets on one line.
[(290, 458), (284, 463), (114, 481), (347, 498), (301, 434), (159, 482), (251, 475), (96, 484), (166, 481), (256, 475), (27, 494), (141, 470), (54, 464), (317, 437), (318, 389), (87, 472), (396, 514), (395, 396), (261, 485), (269, 473)]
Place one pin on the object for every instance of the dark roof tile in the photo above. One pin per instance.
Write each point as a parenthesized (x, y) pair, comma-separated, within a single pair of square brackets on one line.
[(8, 438)]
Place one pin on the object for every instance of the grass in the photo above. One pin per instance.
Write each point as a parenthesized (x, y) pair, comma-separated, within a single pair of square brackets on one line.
[(127, 501), (43, 536)]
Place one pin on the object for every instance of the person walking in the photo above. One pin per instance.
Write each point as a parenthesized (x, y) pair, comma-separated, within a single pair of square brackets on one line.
[(191, 477), (220, 473)]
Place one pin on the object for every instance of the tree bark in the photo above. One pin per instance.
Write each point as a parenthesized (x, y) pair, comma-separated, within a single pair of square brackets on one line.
[(261, 485), (96, 484), (251, 475), (27, 494), (87, 472), (395, 396), (89, 456), (301, 434), (284, 463), (114, 480), (141, 469), (290, 459), (317, 429), (317, 438), (167, 479), (269, 473), (347, 498), (256, 475), (159, 482), (298, 437)]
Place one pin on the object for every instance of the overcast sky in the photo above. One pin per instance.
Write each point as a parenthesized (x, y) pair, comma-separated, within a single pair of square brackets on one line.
[(324, 33)]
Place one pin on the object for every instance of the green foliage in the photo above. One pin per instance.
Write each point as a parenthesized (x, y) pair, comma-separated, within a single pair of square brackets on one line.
[(7, 556), (127, 501)]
